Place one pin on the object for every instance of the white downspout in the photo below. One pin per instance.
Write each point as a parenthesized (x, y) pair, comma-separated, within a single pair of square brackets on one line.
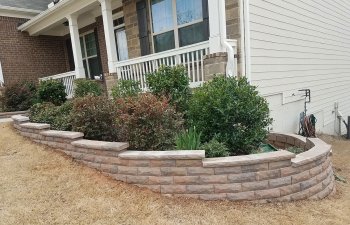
[(230, 68), (246, 29), (1, 77)]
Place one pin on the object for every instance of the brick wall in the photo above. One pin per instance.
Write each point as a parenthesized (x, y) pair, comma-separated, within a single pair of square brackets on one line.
[(24, 57), (131, 28), (268, 177)]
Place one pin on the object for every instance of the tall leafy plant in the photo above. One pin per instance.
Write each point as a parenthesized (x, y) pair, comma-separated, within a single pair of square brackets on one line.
[(189, 140)]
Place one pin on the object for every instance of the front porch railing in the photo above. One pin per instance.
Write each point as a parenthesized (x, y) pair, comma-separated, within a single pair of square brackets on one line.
[(191, 57), (67, 79)]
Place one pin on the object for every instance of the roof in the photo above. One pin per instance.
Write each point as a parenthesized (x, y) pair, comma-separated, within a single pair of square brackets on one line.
[(27, 4)]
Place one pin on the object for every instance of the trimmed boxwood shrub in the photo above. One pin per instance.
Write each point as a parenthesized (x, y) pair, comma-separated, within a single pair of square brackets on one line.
[(173, 83), (214, 148), (52, 91), (18, 96), (59, 117), (148, 122), (95, 117), (84, 87), (126, 88), (231, 110)]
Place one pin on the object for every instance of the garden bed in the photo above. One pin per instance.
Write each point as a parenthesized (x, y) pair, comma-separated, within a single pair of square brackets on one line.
[(265, 177)]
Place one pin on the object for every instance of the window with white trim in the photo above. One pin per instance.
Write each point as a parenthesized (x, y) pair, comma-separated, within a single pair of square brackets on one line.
[(120, 37), (89, 53), (177, 23)]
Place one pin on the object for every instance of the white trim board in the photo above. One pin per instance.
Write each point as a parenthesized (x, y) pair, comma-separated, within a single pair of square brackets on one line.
[(1, 76), (16, 12)]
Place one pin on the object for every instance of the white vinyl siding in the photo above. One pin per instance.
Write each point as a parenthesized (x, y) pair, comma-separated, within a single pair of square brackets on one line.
[(299, 44)]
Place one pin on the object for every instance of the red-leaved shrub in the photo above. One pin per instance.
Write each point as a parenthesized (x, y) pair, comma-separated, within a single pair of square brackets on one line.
[(147, 122)]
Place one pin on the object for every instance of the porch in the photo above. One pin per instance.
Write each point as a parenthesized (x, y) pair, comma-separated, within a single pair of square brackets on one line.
[(133, 40)]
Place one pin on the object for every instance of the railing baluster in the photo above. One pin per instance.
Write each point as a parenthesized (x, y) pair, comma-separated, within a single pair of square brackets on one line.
[(197, 66), (193, 69)]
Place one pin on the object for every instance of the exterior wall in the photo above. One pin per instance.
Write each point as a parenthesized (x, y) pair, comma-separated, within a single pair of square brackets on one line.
[(214, 64), (296, 45), (131, 28), (268, 177), (27, 58)]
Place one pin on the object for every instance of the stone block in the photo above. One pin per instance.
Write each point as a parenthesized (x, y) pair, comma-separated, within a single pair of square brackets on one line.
[(267, 175), (255, 167), (267, 194), (187, 180), (155, 180), (173, 171), (243, 177), (279, 164), (189, 163), (242, 196), (136, 179), (213, 197), (101, 145), (163, 163), (227, 188), (173, 189), (213, 179), (147, 171), (140, 163), (288, 171), (113, 169), (157, 155), (62, 134), (200, 189), (199, 171), (300, 195), (126, 170), (303, 176), (254, 186), (290, 189), (280, 182), (227, 170), (35, 126), (316, 171)]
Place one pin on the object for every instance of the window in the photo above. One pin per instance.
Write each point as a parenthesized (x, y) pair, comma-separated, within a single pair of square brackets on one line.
[(121, 40), (89, 53), (177, 23)]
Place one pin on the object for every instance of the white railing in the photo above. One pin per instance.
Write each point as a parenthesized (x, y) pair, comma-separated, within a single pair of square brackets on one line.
[(67, 79), (191, 57)]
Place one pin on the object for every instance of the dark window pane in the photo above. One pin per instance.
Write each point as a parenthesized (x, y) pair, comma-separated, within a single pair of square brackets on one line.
[(163, 42), (85, 68), (192, 34), (188, 11), (94, 67)]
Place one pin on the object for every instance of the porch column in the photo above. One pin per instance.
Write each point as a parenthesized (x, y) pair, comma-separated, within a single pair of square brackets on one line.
[(75, 39), (215, 26), (111, 45)]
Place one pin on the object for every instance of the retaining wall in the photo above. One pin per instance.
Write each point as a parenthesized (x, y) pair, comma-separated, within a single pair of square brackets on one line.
[(266, 177)]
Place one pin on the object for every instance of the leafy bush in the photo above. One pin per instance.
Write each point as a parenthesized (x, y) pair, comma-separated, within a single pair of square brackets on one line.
[(188, 140), (59, 117), (231, 110), (147, 122), (295, 150), (84, 87), (126, 88), (52, 91), (214, 149), (173, 83), (18, 97), (95, 117)]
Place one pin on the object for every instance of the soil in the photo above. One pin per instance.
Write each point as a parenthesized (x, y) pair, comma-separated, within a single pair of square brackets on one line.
[(41, 186)]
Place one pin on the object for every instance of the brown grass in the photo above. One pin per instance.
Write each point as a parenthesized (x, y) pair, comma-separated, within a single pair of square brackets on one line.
[(40, 186)]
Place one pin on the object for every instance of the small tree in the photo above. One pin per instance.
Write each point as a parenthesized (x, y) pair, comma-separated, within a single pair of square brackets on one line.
[(52, 91)]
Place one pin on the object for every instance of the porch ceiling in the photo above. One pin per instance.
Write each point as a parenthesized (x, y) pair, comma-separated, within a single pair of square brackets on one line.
[(50, 22)]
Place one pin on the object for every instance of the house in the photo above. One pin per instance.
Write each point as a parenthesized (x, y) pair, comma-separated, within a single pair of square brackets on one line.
[(280, 46)]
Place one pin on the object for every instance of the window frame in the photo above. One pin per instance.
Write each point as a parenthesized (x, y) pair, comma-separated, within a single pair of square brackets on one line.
[(175, 28), (116, 28), (86, 58)]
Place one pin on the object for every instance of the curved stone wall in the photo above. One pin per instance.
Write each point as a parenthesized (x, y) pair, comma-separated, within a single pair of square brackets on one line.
[(266, 177)]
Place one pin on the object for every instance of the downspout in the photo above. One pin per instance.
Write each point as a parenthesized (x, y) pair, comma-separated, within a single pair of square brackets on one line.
[(245, 23), (230, 68)]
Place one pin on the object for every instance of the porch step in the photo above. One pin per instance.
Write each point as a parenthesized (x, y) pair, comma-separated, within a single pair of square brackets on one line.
[(101, 145)]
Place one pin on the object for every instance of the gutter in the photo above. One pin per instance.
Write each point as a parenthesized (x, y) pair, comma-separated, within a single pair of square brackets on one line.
[(43, 15), (230, 68), (17, 9)]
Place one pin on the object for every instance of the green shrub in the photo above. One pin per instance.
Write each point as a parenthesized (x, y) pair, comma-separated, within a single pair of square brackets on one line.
[(214, 149), (231, 110), (95, 117), (18, 96), (188, 140), (147, 122), (173, 83), (126, 88), (84, 87), (52, 91), (59, 117), (295, 150)]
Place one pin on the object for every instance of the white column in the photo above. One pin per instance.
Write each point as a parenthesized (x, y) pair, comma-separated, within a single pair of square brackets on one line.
[(75, 39), (215, 26), (106, 7)]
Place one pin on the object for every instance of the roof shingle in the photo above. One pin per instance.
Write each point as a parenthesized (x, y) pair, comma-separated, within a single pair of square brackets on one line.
[(27, 4)]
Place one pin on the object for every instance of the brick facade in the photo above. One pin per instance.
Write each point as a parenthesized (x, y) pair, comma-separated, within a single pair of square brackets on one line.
[(25, 57)]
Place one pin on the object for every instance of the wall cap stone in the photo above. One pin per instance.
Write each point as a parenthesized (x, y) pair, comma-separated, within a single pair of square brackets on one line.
[(320, 149), (194, 154), (248, 159), (101, 145), (36, 126), (62, 134), (19, 118)]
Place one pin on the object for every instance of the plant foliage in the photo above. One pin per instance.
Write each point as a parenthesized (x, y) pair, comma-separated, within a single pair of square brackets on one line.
[(214, 148), (18, 96), (231, 110), (52, 91), (84, 87), (173, 83), (126, 88), (95, 117), (189, 140), (147, 122)]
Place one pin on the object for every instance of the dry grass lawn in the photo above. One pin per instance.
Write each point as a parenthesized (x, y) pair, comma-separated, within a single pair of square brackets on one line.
[(41, 186)]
